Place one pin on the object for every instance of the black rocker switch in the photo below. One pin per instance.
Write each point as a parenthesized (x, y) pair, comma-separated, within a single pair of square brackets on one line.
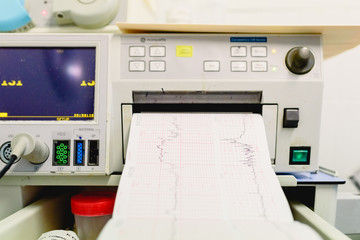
[(291, 118)]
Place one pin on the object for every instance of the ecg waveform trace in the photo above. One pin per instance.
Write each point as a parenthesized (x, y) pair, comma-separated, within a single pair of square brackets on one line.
[(199, 166)]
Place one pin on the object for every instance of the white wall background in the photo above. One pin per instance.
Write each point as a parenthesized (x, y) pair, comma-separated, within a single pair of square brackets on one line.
[(245, 11), (340, 132)]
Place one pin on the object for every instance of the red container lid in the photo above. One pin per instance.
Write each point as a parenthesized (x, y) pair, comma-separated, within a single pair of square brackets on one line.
[(91, 204)]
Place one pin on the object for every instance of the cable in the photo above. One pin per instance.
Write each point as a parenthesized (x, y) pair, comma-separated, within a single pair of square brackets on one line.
[(8, 165), (30, 148)]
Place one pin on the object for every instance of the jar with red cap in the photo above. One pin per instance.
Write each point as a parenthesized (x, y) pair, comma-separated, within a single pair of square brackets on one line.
[(92, 210)]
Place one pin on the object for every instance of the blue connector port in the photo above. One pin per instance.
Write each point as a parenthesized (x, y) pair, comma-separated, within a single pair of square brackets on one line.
[(79, 153)]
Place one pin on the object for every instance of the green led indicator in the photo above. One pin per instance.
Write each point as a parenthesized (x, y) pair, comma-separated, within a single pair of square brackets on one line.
[(300, 156)]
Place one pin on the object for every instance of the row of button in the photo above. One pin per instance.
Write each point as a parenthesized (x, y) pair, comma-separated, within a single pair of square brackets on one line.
[(236, 66), (159, 51), (154, 66), (209, 66)]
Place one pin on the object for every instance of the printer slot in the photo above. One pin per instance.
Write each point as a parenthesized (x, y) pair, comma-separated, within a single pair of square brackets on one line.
[(219, 97), (200, 102), (188, 107)]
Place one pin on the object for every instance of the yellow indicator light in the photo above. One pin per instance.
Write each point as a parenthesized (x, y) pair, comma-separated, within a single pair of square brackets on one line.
[(274, 69), (3, 114), (273, 51), (184, 51)]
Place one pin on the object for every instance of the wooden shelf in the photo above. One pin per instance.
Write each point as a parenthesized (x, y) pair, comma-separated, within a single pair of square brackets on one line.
[(336, 38)]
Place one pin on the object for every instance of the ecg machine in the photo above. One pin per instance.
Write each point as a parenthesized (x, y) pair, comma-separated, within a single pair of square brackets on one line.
[(76, 92)]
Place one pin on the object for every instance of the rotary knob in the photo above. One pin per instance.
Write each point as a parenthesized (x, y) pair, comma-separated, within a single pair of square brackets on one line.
[(300, 60)]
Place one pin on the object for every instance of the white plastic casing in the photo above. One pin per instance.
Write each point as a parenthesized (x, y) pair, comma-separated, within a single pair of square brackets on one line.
[(85, 13)]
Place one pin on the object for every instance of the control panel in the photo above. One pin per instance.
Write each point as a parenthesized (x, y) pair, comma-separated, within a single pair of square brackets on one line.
[(220, 56)]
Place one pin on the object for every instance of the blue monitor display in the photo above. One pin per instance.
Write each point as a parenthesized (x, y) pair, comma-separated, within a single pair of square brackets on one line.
[(47, 83)]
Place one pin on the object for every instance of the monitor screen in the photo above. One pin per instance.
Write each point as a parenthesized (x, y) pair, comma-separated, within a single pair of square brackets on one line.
[(47, 83)]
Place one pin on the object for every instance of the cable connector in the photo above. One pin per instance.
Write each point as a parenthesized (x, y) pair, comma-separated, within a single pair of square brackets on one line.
[(32, 149), (26, 146)]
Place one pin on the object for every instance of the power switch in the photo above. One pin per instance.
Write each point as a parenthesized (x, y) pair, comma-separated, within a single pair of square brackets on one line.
[(291, 118), (300, 155)]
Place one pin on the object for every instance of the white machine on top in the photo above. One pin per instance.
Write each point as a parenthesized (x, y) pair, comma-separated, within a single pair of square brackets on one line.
[(78, 92)]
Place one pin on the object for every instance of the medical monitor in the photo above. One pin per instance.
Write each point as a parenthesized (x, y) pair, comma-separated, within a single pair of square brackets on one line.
[(47, 83), (54, 87)]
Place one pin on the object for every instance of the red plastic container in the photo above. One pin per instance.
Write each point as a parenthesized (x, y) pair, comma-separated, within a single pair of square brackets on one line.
[(92, 210)]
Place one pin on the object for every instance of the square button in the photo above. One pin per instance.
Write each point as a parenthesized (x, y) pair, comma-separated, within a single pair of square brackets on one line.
[(259, 66), (184, 51), (299, 155), (136, 66), (157, 51), (238, 66), (157, 66), (258, 51), (138, 51), (211, 66), (238, 51)]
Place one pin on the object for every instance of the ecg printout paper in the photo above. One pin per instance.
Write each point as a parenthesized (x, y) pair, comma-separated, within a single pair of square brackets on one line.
[(199, 166), (200, 176)]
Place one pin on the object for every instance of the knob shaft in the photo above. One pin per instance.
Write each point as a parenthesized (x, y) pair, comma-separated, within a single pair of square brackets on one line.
[(300, 60)]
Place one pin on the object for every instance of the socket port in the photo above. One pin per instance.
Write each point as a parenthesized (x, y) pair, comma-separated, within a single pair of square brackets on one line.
[(93, 153), (61, 153), (5, 152), (79, 153)]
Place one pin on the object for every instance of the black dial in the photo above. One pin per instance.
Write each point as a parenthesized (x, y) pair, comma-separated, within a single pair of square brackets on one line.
[(300, 60)]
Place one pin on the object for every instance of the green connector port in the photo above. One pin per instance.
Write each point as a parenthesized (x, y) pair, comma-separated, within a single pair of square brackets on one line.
[(61, 153)]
